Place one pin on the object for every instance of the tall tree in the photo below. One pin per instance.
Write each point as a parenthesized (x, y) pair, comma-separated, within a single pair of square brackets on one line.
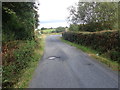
[(100, 15), (19, 20)]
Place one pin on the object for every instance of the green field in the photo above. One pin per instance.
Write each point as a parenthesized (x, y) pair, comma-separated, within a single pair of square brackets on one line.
[(48, 31)]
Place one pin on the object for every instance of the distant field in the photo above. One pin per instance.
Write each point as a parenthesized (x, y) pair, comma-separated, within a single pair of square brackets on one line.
[(48, 30)]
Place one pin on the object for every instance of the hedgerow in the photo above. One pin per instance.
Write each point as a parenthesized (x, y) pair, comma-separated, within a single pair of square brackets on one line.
[(16, 56), (103, 42)]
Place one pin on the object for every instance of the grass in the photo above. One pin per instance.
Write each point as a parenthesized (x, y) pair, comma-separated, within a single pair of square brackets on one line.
[(26, 76), (112, 64)]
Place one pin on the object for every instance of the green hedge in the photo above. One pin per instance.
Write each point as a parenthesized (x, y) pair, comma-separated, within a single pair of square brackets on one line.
[(16, 57), (104, 42)]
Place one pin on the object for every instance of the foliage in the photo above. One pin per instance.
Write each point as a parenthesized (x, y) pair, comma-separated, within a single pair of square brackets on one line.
[(19, 20), (27, 73), (94, 16), (16, 58), (118, 15), (60, 29), (47, 31), (43, 28), (74, 27), (104, 42)]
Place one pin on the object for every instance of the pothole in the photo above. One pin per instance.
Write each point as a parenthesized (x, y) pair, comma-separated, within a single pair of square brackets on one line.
[(89, 64), (53, 57)]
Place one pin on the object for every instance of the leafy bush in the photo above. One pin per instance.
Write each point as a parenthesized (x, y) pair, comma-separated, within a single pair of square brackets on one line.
[(15, 59), (17, 21), (74, 27), (60, 29), (102, 42), (115, 55)]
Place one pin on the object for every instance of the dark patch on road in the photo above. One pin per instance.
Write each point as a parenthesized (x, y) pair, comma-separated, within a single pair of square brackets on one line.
[(89, 64)]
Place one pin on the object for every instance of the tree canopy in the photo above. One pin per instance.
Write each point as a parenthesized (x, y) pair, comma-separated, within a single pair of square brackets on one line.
[(99, 15), (19, 19), (60, 29)]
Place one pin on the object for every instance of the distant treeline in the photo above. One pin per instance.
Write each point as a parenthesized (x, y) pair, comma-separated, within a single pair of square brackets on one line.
[(43, 28), (53, 30)]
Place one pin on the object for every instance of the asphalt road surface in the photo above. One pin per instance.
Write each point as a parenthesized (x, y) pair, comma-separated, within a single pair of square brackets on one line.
[(64, 66)]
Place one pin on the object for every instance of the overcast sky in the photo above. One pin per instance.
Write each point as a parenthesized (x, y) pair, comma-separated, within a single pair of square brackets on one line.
[(53, 13)]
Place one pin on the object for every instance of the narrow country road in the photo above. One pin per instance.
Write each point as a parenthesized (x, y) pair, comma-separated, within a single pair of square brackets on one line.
[(64, 66)]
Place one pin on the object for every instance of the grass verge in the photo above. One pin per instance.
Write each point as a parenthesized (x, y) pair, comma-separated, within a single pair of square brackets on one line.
[(112, 64)]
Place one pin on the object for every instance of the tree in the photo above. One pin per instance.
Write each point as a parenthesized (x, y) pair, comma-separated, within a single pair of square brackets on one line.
[(51, 28), (66, 27), (43, 28), (99, 15), (60, 29), (74, 27), (19, 20)]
